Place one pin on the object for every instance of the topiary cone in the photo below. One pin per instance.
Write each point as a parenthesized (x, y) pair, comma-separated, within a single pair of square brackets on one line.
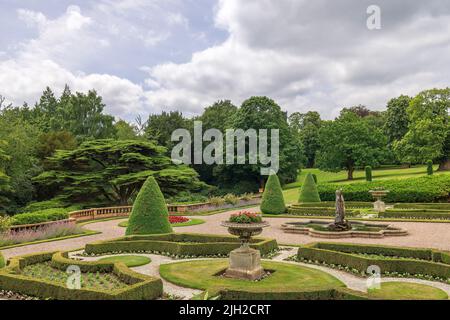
[(272, 199), (309, 192), (149, 214)]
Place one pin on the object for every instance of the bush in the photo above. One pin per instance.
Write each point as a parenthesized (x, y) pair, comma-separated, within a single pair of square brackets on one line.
[(424, 189), (308, 192), (272, 199), (40, 216), (140, 287), (245, 217), (181, 244), (44, 205), (149, 214), (5, 223), (368, 173), (332, 204), (2, 261), (430, 167), (231, 199), (217, 201), (187, 197), (420, 262), (315, 178)]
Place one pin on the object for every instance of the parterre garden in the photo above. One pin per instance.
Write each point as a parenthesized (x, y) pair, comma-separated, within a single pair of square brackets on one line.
[(105, 267)]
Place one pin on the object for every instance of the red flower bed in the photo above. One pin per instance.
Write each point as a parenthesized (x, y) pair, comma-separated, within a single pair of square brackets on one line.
[(177, 219)]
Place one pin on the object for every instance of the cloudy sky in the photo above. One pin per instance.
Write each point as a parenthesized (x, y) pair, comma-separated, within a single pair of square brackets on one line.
[(144, 56)]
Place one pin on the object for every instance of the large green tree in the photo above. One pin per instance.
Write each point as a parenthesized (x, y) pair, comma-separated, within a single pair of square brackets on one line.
[(350, 142), (397, 120), (160, 127), (112, 172), (307, 126), (4, 179), (428, 135), (263, 113)]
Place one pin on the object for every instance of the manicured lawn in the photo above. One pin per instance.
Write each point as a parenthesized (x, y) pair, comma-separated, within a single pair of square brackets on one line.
[(202, 275), (129, 261), (407, 291), (191, 222), (359, 175)]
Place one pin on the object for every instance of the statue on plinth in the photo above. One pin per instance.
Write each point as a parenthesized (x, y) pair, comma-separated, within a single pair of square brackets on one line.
[(340, 224)]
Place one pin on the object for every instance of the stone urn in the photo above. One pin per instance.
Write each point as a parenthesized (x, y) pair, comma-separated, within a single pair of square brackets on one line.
[(245, 262), (379, 205)]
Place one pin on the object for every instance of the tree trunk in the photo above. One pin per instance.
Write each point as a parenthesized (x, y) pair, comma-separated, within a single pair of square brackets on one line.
[(350, 173), (444, 165)]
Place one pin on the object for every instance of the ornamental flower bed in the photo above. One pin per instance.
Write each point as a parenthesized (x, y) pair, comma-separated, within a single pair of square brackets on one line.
[(177, 219), (245, 217)]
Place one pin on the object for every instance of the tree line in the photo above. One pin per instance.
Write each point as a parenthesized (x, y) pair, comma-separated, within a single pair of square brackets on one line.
[(68, 147)]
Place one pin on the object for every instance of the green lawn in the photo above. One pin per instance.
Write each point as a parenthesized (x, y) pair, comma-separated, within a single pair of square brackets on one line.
[(407, 291), (202, 275), (291, 190), (128, 260)]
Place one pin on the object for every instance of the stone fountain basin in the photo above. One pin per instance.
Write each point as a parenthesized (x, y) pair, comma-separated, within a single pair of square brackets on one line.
[(386, 230)]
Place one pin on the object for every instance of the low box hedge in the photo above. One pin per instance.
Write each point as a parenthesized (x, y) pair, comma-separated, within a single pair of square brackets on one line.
[(181, 244), (332, 204), (433, 263), (415, 214), (139, 287), (435, 206), (423, 189), (330, 294), (47, 215), (312, 211)]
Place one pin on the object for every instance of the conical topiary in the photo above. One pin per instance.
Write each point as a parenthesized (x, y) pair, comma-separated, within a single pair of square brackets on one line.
[(149, 214), (272, 199), (309, 192)]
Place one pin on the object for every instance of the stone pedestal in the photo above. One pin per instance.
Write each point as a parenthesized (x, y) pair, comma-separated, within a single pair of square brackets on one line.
[(245, 263), (379, 206)]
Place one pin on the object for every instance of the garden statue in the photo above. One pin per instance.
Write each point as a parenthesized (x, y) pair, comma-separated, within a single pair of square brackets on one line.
[(340, 224)]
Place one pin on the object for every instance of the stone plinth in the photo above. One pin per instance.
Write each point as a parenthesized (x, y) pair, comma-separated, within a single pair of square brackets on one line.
[(245, 263), (379, 206)]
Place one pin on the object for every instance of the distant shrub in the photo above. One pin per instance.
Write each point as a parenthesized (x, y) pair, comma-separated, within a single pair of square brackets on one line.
[(47, 215), (430, 167), (44, 205), (216, 201), (231, 199), (368, 173), (272, 199), (187, 197), (308, 192), (423, 189), (247, 196), (5, 223), (149, 214)]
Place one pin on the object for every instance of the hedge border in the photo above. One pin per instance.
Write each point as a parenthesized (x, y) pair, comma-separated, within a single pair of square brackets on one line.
[(140, 286), (178, 244), (432, 262)]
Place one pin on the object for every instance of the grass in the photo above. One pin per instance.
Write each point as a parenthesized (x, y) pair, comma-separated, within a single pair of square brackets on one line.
[(407, 291), (128, 260), (191, 222), (98, 281), (291, 190), (287, 277)]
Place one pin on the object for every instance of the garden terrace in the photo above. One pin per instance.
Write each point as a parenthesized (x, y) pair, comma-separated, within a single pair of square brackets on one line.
[(179, 244), (391, 260), (44, 275)]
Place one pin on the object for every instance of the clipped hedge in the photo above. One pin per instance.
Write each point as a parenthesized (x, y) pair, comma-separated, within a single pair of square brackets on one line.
[(424, 189), (2, 261), (416, 214), (324, 211), (47, 215), (181, 244), (332, 204), (432, 262), (308, 192), (435, 206), (324, 294), (149, 214), (272, 200), (140, 287)]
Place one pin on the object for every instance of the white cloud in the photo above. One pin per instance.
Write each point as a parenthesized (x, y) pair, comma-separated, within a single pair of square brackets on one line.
[(312, 55)]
